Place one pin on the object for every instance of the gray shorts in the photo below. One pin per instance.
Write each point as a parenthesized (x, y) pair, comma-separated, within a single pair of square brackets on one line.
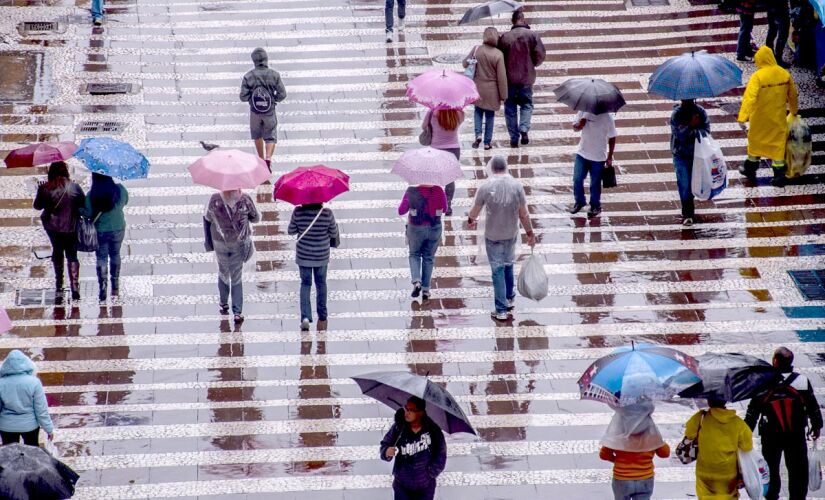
[(263, 127)]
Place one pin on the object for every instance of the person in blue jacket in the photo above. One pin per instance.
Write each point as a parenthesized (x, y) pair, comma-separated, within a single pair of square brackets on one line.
[(23, 407)]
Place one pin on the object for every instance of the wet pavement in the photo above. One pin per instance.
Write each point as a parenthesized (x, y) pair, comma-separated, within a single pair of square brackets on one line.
[(158, 396)]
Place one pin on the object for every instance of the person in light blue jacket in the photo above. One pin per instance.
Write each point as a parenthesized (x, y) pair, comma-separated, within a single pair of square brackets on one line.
[(23, 407)]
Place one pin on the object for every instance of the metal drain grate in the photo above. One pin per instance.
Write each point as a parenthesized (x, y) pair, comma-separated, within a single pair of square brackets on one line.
[(810, 283), (35, 297), (39, 26), (449, 58), (101, 127), (108, 88), (650, 3)]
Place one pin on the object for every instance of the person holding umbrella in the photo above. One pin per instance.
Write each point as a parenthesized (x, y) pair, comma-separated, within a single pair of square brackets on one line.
[(687, 121), (23, 406), (104, 205), (490, 78)]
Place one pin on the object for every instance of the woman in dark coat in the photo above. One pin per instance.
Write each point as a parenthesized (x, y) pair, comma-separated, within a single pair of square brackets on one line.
[(491, 80)]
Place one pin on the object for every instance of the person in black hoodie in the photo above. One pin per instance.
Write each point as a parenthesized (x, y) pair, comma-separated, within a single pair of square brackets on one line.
[(419, 449)]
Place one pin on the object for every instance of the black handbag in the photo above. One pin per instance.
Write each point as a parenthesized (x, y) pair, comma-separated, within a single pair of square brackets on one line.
[(86, 234), (609, 177), (425, 138)]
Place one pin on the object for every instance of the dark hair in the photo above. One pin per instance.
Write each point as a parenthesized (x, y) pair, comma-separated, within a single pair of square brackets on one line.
[(105, 194), (498, 164), (783, 358), (419, 403), (58, 174), (716, 403), (518, 15)]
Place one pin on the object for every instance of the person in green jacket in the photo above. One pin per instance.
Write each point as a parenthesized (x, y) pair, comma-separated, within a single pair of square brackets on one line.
[(104, 205)]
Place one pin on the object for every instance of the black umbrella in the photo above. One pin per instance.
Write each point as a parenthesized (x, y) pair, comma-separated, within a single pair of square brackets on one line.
[(395, 388), (592, 95), (732, 377), (29, 472), (489, 10)]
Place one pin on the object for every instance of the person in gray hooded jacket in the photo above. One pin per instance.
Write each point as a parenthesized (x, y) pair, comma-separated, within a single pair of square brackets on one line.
[(263, 89)]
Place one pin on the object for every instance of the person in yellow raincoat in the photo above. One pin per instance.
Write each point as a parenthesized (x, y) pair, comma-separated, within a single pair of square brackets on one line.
[(721, 434), (770, 94)]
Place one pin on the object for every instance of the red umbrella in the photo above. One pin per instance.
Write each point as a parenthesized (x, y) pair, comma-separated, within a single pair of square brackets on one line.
[(316, 184), (40, 154)]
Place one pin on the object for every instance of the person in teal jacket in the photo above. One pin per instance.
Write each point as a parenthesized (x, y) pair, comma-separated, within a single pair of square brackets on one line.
[(104, 205), (23, 407)]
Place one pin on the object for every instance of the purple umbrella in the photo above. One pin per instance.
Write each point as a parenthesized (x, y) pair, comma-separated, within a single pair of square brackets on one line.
[(428, 166), (442, 89)]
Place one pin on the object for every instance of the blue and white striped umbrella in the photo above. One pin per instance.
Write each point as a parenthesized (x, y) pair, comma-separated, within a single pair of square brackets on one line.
[(693, 75), (112, 158)]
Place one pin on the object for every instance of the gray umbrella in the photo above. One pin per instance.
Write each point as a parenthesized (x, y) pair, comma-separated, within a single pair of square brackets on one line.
[(395, 388), (732, 377), (29, 472), (592, 95), (489, 10)]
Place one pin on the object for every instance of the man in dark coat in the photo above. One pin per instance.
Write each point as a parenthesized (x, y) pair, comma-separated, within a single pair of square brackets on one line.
[(523, 50), (419, 449), (263, 89)]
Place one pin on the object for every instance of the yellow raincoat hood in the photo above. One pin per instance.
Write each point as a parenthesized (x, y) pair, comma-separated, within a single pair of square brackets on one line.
[(770, 93)]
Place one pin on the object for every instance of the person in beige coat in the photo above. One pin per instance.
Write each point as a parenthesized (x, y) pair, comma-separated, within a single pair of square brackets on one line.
[(491, 80)]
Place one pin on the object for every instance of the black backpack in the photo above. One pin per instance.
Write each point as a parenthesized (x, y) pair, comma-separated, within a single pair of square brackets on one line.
[(261, 101), (784, 409), (418, 203)]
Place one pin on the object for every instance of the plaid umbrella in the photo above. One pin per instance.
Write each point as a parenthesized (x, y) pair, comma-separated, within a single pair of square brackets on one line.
[(693, 75)]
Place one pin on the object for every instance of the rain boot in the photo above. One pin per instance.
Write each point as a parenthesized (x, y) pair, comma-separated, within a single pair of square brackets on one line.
[(779, 179), (748, 169), (114, 271), (101, 282), (74, 279), (58, 275)]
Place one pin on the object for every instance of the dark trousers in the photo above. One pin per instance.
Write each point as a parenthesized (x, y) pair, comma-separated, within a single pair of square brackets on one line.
[(402, 493), (388, 17), (63, 244), (518, 109), (30, 438), (743, 43), (684, 173), (796, 460), (319, 273), (449, 189), (779, 21)]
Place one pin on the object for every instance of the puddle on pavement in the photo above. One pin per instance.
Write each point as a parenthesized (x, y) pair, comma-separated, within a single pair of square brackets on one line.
[(26, 77)]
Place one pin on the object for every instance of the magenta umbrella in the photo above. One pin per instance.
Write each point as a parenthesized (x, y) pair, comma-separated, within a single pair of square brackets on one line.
[(40, 154), (316, 184), (228, 169), (442, 89), (5, 322), (428, 166)]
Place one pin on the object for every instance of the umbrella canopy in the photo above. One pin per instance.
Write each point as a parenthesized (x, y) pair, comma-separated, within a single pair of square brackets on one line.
[(428, 166), (489, 10), (442, 89), (229, 169), (5, 321), (40, 154), (395, 388), (819, 7), (592, 95), (28, 472), (112, 158), (641, 372), (693, 75), (732, 377), (316, 184)]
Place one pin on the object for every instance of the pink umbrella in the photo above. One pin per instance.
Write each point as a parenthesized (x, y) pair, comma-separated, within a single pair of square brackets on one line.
[(228, 169), (5, 322), (428, 166), (442, 89), (316, 184), (40, 154)]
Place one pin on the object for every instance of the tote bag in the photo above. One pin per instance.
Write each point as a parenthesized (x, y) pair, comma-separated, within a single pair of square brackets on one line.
[(87, 234)]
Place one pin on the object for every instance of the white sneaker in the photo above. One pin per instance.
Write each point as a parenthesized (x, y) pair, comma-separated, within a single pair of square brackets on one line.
[(511, 304), (400, 24), (305, 325), (389, 37), (500, 316), (687, 221)]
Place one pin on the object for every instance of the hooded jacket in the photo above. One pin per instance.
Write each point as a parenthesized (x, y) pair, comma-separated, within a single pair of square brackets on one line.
[(421, 457), (682, 133), (23, 406), (262, 75), (770, 93), (61, 206), (523, 50)]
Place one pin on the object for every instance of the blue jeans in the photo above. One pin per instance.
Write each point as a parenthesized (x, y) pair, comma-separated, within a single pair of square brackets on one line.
[(108, 252), (502, 256), (580, 169), (97, 9), (518, 96), (320, 274), (230, 275), (743, 43), (489, 116), (684, 171), (625, 489), (388, 17), (423, 242)]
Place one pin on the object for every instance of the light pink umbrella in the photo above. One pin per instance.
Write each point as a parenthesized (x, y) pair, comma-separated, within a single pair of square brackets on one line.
[(428, 166), (5, 322), (40, 154), (228, 169), (442, 89)]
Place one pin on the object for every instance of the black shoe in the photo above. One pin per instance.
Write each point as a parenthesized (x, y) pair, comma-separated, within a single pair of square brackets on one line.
[(746, 59), (449, 211), (594, 212), (416, 290), (488, 147), (576, 208), (97, 21), (477, 143), (779, 181), (749, 168), (425, 295), (513, 144), (524, 139)]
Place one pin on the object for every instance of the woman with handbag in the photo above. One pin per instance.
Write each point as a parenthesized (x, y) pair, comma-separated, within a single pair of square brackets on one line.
[(229, 234), (490, 77), (317, 232), (61, 199), (425, 204), (104, 206), (444, 124)]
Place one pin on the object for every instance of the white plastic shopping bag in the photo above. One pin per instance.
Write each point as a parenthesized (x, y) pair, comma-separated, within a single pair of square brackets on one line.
[(710, 173), (532, 280), (814, 469), (755, 474)]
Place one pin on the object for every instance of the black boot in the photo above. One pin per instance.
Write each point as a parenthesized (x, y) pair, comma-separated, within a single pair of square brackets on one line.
[(101, 282), (748, 169), (779, 179), (114, 271), (74, 279), (58, 274)]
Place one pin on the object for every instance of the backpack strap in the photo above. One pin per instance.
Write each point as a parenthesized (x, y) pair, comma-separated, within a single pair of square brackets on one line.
[(310, 225)]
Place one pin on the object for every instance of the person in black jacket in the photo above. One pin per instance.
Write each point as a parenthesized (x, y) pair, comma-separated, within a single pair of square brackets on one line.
[(783, 414), (419, 449)]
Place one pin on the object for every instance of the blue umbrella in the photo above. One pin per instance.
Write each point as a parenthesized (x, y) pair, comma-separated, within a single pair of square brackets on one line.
[(693, 75), (112, 158), (638, 373), (819, 7)]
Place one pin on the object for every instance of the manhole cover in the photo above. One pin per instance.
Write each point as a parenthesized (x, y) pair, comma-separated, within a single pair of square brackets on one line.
[(108, 88), (34, 297), (101, 127), (39, 26), (810, 283), (449, 58)]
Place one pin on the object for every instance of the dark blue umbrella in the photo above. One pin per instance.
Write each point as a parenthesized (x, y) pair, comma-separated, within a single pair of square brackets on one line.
[(112, 158), (693, 75), (732, 377), (29, 472)]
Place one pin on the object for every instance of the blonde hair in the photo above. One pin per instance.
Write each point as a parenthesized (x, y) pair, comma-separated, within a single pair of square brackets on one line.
[(449, 119)]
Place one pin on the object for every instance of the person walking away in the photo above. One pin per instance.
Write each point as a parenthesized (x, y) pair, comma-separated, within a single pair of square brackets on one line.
[(425, 204), (61, 199), (506, 205), (687, 120), (491, 81), (417, 444), (783, 414), (389, 17), (779, 22), (721, 433), (746, 10), (97, 12), (228, 217), (630, 442), (317, 232), (263, 89), (23, 406), (523, 51), (104, 206), (595, 152), (445, 137), (769, 95)]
